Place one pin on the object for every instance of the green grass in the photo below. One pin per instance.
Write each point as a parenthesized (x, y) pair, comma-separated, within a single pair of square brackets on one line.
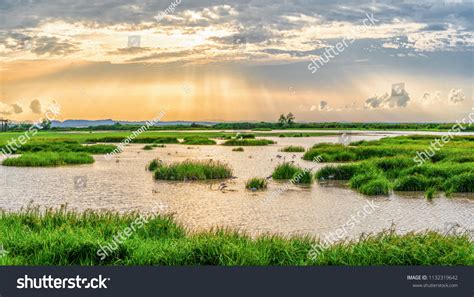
[(61, 145), (257, 183), (293, 149), (390, 163), (238, 149), (193, 170), (61, 238), (302, 177), (248, 142), (48, 159), (198, 141), (154, 165), (285, 171)]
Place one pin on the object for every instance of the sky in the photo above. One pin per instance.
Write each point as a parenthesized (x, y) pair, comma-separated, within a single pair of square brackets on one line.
[(363, 61)]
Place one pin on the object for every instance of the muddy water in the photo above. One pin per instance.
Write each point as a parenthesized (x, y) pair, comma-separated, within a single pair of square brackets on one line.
[(123, 184)]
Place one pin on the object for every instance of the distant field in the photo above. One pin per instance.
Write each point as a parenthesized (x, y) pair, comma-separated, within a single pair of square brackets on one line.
[(84, 136)]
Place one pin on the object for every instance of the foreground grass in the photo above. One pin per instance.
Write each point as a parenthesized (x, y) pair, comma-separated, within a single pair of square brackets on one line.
[(48, 159), (66, 238), (191, 170), (390, 163)]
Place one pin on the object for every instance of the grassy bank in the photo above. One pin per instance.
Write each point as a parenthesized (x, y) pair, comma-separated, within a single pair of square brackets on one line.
[(391, 163), (65, 238), (191, 170), (49, 159), (248, 142)]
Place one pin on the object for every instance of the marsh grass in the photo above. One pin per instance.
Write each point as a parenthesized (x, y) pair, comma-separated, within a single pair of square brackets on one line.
[(238, 149), (154, 164), (257, 183), (193, 170), (62, 238), (148, 147), (49, 159), (303, 177), (389, 164), (142, 139), (293, 149), (248, 142), (285, 171), (198, 141)]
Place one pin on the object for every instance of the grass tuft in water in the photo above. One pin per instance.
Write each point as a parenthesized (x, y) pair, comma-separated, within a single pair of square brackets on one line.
[(293, 149), (193, 170), (49, 159), (257, 183), (285, 171)]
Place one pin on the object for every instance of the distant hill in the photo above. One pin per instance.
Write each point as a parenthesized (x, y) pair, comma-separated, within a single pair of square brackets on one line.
[(110, 122)]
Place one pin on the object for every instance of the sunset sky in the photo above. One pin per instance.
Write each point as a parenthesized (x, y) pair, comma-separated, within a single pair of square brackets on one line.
[(237, 60)]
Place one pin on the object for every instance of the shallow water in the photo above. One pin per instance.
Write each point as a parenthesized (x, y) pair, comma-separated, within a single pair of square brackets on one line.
[(123, 184)]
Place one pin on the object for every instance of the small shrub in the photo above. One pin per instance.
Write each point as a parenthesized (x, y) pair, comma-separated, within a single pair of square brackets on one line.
[(256, 183)]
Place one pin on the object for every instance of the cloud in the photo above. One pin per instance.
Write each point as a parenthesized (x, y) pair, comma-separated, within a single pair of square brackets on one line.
[(9, 109), (52, 46), (456, 95), (398, 98), (323, 105), (35, 106)]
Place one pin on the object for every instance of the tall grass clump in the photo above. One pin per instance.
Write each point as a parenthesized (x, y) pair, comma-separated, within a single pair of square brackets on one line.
[(378, 186), (195, 140), (154, 164), (49, 159), (64, 238), (256, 183), (193, 170), (148, 148), (342, 172), (285, 171), (248, 142), (238, 149), (302, 176), (460, 183), (293, 149)]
